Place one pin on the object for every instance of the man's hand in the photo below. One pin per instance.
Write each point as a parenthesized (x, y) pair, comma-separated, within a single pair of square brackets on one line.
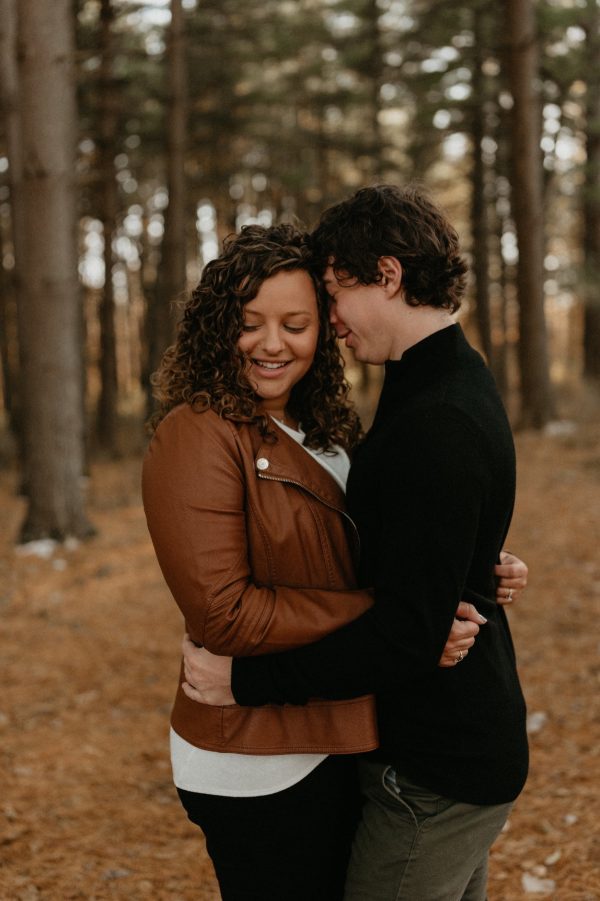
[(462, 635), (512, 574), (208, 677)]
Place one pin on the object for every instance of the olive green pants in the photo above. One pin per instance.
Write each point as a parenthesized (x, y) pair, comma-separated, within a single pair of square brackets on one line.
[(414, 845)]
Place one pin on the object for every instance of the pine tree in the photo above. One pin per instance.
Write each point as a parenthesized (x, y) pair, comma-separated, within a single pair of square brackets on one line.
[(49, 320)]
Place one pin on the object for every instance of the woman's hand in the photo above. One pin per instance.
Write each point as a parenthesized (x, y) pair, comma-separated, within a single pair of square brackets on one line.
[(462, 635), (512, 575), (208, 677)]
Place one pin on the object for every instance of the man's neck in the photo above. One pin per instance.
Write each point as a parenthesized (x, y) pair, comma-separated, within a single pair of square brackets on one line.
[(414, 324)]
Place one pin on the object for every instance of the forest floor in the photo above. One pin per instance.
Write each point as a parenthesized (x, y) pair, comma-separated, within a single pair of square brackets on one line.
[(90, 642)]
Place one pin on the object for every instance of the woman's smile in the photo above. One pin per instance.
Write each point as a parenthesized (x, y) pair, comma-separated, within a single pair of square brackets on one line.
[(279, 336), (271, 367)]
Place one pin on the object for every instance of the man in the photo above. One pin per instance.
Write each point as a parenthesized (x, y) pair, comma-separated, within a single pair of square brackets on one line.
[(431, 491)]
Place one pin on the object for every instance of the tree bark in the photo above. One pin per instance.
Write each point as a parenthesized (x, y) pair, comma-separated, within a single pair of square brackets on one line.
[(9, 106), (49, 311), (106, 417), (374, 66), (591, 196), (537, 404), (479, 212), (171, 277), (7, 336)]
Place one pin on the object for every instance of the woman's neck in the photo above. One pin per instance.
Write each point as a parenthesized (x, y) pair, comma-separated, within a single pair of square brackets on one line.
[(283, 416)]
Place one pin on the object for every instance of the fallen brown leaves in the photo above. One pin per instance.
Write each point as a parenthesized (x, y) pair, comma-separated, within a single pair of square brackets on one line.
[(90, 657)]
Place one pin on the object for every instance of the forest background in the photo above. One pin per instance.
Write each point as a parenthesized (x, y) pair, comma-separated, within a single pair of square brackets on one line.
[(133, 137)]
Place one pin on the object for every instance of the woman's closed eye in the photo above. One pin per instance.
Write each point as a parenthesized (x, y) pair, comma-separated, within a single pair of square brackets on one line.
[(293, 329)]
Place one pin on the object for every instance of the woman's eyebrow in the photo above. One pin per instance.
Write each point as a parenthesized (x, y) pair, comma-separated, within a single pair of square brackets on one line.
[(291, 313)]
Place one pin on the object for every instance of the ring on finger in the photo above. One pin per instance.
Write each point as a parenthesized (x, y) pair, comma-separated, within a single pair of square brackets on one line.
[(509, 595), (459, 657)]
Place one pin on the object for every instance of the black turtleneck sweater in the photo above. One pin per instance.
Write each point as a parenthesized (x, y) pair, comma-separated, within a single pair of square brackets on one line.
[(431, 490)]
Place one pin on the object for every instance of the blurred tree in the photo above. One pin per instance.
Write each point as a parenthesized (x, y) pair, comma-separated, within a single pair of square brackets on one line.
[(171, 276), (9, 105), (108, 201), (522, 63), (121, 164), (477, 121), (49, 311), (450, 64), (591, 192)]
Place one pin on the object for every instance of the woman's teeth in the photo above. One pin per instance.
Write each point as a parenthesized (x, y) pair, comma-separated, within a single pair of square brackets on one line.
[(265, 365)]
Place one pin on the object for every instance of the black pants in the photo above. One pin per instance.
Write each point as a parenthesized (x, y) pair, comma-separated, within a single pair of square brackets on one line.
[(290, 846)]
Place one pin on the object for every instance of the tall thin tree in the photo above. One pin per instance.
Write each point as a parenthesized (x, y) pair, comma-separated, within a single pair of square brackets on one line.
[(106, 422), (591, 194), (537, 404), (479, 204), (171, 277), (9, 106), (49, 309)]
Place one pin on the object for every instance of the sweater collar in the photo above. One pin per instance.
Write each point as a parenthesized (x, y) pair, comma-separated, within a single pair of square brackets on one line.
[(429, 355), (421, 365)]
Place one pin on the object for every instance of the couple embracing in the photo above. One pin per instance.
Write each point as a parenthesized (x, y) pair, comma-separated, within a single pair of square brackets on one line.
[(349, 722)]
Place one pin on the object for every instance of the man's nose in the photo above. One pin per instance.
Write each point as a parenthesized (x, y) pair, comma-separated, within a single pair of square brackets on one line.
[(335, 320)]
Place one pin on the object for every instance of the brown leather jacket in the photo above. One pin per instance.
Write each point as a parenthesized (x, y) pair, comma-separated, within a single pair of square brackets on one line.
[(254, 545)]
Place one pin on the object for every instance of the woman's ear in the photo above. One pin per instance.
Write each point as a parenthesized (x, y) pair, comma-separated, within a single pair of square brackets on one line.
[(391, 271)]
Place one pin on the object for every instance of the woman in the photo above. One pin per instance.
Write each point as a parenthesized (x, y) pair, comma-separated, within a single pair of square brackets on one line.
[(243, 489)]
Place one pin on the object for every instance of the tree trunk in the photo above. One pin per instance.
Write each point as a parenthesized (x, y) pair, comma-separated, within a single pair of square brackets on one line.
[(537, 404), (374, 77), (49, 312), (479, 212), (591, 197), (9, 106), (106, 418), (171, 277), (9, 370), (501, 225)]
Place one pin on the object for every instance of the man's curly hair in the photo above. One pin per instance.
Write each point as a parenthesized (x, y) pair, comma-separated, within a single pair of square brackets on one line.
[(206, 369), (386, 220)]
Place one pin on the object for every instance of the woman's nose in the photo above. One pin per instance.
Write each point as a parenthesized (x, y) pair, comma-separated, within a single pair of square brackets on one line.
[(273, 342)]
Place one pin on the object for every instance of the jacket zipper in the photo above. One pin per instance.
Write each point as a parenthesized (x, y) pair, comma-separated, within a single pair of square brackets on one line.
[(317, 497)]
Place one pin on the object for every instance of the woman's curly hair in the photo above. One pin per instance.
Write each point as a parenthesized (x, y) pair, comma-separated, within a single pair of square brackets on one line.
[(205, 368), (386, 220)]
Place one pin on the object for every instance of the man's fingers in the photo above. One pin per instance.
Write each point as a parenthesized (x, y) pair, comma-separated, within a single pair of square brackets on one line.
[(191, 692), (188, 672), (187, 644), (466, 611)]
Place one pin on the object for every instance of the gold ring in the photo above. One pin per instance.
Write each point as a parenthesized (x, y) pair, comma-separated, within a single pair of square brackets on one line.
[(460, 657)]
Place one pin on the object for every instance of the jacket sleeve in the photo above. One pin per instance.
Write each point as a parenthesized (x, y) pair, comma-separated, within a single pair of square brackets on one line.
[(194, 499)]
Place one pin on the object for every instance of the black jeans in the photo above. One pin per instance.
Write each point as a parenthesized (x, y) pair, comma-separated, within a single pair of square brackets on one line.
[(293, 845)]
